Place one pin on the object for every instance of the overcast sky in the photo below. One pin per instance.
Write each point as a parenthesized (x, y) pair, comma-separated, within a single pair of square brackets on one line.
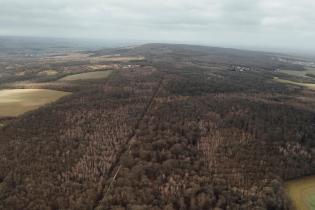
[(235, 23)]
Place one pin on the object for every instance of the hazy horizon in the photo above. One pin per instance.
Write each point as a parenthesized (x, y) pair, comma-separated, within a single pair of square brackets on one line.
[(284, 25)]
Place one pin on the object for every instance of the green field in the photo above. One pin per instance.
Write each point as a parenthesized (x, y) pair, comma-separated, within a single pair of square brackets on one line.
[(308, 70), (312, 201), (302, 193), (86, 76), (14, 102), (306, 85)]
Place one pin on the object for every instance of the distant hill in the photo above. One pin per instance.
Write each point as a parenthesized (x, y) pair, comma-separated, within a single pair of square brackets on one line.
[(171, 53)]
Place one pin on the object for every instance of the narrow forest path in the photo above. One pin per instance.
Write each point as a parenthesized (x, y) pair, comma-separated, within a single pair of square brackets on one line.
[(114, 170)]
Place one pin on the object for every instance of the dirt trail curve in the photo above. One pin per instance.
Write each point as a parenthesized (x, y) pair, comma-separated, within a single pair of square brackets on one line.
[(114, 170)]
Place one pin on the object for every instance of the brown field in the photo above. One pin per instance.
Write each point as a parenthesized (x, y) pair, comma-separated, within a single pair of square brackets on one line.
[(20, 74), (86, 76), (302, 193), (14, 102)]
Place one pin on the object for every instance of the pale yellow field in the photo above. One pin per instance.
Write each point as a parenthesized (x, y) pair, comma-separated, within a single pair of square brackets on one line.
[(86, 76), (93, 59), (47, 73), (100, 67), (302, 193), (14, 102), (306, 85)]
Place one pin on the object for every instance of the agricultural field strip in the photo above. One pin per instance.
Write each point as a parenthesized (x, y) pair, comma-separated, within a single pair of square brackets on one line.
[(88, 57), (301, 192), (307, 85), (87, 75), (14, 102), (307, 194), (146, 109), (308, 70)]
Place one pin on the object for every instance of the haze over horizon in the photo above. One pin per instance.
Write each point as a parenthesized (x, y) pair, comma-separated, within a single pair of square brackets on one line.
[(254, 24)]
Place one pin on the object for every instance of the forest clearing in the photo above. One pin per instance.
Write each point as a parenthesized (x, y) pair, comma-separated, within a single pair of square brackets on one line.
[(89, 75), (306, 85), (304, 73), (18, 101), (302, 193)]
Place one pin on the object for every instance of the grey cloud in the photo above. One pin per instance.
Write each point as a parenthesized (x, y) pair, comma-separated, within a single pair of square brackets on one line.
[(257, 23)]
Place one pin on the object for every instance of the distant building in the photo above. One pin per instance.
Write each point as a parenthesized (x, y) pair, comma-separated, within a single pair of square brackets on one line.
[(240, 68)]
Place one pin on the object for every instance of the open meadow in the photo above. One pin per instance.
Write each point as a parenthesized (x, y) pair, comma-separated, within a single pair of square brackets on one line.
[(302, 193), (305, 73), (310, 86), (18, 101), (88, 75)]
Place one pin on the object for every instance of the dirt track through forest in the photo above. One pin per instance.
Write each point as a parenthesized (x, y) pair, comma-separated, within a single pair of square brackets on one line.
[(115, 165)]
